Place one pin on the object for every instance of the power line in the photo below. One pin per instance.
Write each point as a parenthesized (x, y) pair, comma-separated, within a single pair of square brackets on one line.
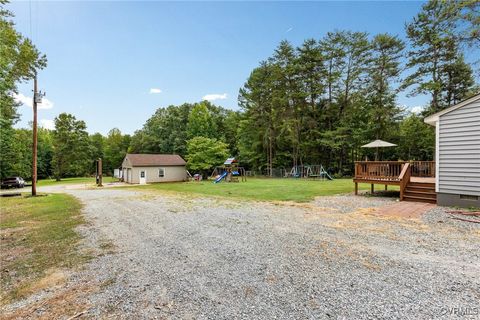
[(36, 20), (30, 15)]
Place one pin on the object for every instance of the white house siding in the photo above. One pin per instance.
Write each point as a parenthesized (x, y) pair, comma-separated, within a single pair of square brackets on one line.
[(459, 151), (172, 173), (126, 163), (129, 175)]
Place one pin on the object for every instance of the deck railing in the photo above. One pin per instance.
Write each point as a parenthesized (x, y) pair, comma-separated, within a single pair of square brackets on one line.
[(424, 169), (391, 170), (378, 170)]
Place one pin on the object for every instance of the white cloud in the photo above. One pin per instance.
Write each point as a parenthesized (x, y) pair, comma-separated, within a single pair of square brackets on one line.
[(155, 90), (47, 124), (416, 109), (214, 96), (289, 29), (27, 101)]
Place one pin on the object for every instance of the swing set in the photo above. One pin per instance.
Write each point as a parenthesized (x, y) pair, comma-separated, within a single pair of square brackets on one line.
[(229, 172), (316, 171)]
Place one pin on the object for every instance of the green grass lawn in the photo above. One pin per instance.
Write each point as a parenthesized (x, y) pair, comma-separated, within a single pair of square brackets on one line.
[(80, 180), (298, 190), (38, 236)]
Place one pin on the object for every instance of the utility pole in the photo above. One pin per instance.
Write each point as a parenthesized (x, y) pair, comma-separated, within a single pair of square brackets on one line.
[(99, 172), (34, 129)]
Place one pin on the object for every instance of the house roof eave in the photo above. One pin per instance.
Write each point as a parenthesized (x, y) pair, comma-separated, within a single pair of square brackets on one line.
[(433, 119)]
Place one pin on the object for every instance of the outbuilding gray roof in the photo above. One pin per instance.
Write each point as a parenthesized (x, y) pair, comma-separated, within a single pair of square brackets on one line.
[(148, 160)]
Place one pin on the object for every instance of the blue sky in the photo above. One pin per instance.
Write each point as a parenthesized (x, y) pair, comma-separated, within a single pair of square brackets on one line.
[(105, 57)]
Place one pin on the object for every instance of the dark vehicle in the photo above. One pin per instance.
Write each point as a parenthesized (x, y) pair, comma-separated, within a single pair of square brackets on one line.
[(13, 182)]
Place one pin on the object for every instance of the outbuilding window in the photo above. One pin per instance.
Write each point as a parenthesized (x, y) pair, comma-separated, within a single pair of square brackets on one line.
[(161, 172)]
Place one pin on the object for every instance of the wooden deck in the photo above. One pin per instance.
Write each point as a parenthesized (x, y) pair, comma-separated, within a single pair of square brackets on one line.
[(422, 180), (404, 209), (415, 178)]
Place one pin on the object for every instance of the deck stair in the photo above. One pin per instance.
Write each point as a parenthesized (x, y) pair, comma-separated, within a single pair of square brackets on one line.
[(420, 192), (416, 179)]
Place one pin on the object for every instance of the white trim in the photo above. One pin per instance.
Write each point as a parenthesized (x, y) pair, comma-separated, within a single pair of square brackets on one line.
[(437, 155), (164, 172), (144, 179), (433, 119)]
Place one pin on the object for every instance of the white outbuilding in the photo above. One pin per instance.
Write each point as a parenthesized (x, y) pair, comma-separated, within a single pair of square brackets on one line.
[(151, 168)]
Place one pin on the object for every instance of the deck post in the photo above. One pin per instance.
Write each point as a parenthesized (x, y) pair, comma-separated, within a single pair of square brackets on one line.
[(395, 173), (356, 188)]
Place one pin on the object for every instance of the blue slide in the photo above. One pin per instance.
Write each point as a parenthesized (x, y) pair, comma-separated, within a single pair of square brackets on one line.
[(219, 179), (326, 174)]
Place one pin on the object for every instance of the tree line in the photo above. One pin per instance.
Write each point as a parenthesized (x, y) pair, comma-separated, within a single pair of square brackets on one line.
[(321, 101), (67, 151), (316, 103)]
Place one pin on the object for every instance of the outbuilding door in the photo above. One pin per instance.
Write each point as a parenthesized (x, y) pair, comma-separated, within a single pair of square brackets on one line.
[(143, 176)]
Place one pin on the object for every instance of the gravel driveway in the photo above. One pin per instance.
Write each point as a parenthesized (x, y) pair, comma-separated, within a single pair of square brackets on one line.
[(174, 257)]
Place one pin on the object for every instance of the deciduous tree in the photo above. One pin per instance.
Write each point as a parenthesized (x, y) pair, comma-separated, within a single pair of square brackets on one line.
[(201, 122), (205, 153), (71, 154), (19, 61), (115, 149)]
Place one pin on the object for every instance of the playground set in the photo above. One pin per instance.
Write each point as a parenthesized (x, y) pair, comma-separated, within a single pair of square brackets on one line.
[(232, 172), (309, 171), (229, 172)]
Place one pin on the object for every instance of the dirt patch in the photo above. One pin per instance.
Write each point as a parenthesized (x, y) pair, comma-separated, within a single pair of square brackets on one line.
[(9, 254), (53, 279), (61, 304)]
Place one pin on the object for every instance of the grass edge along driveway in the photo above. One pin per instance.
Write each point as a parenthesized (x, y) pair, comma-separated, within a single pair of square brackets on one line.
[(77, 180), (263, 189), (38, 237)]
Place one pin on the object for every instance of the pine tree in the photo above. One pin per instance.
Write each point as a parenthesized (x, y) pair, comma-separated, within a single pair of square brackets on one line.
[(383, 73), (71, 154), (258, 131), (435, 44)]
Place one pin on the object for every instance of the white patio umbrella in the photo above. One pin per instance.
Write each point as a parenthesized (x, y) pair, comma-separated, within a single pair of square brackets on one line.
[(378, 144)]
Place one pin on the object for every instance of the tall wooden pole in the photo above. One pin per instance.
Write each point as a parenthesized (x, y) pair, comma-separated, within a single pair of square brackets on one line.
[(100, 173), (34, 129)]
